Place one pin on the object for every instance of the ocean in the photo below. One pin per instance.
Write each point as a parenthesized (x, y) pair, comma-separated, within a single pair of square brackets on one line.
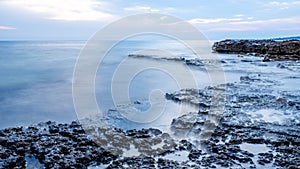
[(142, 84), (36, 81), (36, 78)]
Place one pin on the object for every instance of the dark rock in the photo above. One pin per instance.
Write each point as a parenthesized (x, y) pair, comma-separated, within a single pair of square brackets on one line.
[(293, 167), (144, 133), (254, 140), (53, 129), (269, 49), (195, 154), (67, 145), (3, 140), (185, 145), (137, 102)]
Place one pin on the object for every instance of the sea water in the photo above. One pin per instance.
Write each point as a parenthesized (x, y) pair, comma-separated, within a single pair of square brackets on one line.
[(36, 78), (36, 81)]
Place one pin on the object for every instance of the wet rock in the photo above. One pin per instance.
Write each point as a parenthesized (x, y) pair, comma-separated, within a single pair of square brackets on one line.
[(67, 145), (293, 167), (194, 62), (255, 140), (247, 79), (265, 158), (268, 49), (137, 102), (51, 149), (144, 133), (3, 140), (195, 154), (199, 98), (184, 145), (53, 129)]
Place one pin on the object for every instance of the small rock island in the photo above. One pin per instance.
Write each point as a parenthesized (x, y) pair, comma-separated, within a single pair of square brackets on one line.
[(270, 50)]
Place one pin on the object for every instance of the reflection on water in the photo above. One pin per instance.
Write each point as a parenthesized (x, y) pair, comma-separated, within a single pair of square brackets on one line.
[(255, 148)]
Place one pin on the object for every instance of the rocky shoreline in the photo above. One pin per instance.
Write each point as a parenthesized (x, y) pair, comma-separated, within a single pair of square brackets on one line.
[(240, 140), (259, 126), (270, 50), (69, 147)]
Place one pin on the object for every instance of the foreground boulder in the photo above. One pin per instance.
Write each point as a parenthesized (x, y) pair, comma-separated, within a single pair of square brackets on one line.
[(269, 49)]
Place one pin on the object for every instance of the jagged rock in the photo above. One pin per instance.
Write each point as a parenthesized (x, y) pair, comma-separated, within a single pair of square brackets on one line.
[(68, 146), (268, 49)]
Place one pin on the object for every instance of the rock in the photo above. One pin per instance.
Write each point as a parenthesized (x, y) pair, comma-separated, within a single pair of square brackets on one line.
[(3, 140), (137, 102), (281, 100), (293, 167), (229, 145), (194, 155), (254, 140), (184, 145), (265, 158), (144, 133), (269, 49), (53, 129)]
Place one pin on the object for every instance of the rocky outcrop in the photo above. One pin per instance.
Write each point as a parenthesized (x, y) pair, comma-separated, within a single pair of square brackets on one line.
[(269, 49), (245, 136)]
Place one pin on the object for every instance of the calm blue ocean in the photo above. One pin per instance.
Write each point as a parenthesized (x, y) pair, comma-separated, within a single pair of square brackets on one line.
[(36, 81), (36, 78)]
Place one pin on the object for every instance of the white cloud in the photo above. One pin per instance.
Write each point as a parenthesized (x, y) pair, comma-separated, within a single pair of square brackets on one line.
[(228, 29), (284, 5), (68, 10), (222, 24), (145, 9), (245, 24), (215, 20), (268, 22), (7, 28), (141, 9), (239, 15)]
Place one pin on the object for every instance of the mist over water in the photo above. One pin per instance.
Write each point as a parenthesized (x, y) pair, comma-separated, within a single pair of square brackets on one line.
[(36, 78), (36, 81)]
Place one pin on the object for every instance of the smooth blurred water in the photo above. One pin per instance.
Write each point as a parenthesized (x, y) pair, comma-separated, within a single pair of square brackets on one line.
[(36, 78), (142, 83), (36, 81)]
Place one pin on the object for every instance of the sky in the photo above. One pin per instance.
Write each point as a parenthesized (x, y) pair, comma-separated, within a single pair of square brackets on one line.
[(80, 19)]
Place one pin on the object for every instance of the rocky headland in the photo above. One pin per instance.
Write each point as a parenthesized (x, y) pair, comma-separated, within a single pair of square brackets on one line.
[(270, 50)]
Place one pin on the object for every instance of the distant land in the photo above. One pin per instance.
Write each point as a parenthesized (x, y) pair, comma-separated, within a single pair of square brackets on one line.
[(276, 38), (287, 38)]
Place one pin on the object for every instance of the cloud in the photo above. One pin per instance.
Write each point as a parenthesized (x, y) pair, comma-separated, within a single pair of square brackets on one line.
[(67, 10), (239, 15), (268, 22), (229, 29), (141, 9), (245, 24), (222, 24), (284, 5), (290, 29), (145, 9), (7, 28), (215, 20)]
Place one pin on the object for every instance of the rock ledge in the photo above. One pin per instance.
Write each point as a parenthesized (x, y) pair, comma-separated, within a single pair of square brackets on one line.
[(269, 49)]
